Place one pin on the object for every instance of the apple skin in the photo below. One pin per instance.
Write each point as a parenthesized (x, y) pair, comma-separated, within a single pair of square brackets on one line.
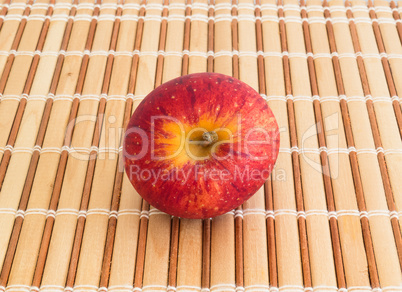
[(166, 158)]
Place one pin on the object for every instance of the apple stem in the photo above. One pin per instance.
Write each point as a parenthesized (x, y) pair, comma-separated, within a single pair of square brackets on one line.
[(209, 138)]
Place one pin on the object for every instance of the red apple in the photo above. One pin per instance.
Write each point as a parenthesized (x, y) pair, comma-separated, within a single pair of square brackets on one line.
[(200, 145)]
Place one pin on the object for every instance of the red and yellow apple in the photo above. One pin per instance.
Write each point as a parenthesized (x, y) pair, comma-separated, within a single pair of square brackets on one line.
[(200, 145)]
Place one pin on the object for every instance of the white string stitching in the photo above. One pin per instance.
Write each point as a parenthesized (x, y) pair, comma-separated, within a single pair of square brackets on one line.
[(85, 150), (202, 54)]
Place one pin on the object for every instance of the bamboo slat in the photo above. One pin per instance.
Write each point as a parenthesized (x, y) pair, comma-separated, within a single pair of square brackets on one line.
[(254, 224), (222, 227), (72, 72), (286, 228), (189, 265), (158, 238)]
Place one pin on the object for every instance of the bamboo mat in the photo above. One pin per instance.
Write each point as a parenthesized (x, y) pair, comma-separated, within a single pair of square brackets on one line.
[(328, 219)]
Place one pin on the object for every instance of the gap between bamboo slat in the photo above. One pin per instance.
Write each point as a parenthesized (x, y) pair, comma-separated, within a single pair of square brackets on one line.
[(9, 28), (111, 232)]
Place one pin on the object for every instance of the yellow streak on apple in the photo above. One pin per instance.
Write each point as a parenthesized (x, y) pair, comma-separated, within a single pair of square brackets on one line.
[(185, 144)]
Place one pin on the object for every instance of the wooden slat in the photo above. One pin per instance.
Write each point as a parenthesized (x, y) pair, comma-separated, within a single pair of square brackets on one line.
[(223, 227), (158, 238), (254, 224), (189, 266)]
